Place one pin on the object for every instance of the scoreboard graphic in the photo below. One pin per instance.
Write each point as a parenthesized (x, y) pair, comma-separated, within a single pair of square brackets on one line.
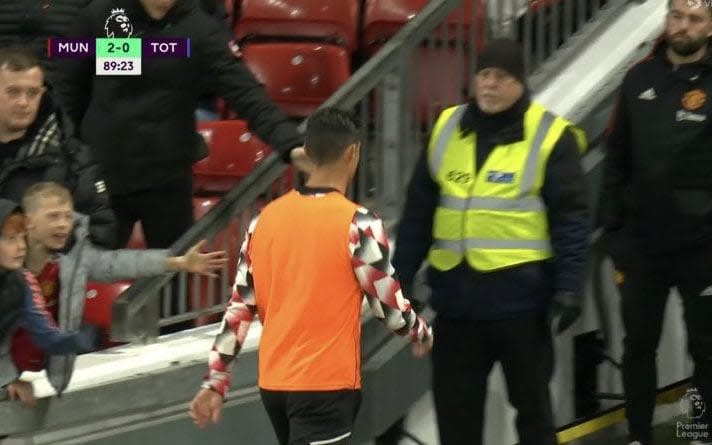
[(115, 56)]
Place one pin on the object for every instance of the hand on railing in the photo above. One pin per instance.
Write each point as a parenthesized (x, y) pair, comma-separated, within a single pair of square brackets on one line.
[(197, 262), (206, 407)]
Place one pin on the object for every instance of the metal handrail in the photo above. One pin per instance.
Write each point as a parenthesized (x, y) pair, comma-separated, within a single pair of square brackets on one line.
[(379, 89), (133, 318)]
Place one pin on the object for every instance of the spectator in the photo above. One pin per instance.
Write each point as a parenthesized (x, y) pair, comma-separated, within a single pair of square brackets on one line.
[(307, 286), (37, 144), (31, 22), (52, 227), (207, 103), (497, 205), (656, 207), (142, 128), (21, 305)]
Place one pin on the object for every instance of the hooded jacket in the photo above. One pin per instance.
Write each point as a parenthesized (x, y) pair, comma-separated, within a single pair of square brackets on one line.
[(657, 188), (142, 128), (81, 263), (12, 298), (49, 152)]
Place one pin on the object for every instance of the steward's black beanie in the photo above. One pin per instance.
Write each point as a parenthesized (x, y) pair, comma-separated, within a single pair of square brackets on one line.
[(504, 54)]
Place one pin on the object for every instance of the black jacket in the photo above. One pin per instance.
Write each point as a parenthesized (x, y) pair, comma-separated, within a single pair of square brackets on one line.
[(142, 128), (464, 293), (12, 286), (657, 190), (49, 152), (31, 22)]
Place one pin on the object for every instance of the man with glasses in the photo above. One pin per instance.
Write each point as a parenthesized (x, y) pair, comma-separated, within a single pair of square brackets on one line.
[(497, 207), (37, 144)]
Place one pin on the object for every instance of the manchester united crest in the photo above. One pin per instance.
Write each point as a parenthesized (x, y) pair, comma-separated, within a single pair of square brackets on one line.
[(694, 100), (47, 287)]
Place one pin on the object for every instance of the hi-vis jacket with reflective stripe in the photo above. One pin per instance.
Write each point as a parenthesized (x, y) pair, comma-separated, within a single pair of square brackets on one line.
[(496, 218)]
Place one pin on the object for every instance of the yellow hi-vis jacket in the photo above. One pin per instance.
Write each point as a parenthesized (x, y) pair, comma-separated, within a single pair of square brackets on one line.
[(495, 218)]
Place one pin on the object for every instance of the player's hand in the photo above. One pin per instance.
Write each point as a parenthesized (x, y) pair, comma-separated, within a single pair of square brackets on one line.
[(421, 349), (22, 391), (206, 407)]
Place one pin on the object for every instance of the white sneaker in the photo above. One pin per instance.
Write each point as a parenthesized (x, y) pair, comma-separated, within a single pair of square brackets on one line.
[(635, 443)]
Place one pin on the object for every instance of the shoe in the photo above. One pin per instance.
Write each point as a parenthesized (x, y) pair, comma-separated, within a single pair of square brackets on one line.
[(635, 443), (699, 442)]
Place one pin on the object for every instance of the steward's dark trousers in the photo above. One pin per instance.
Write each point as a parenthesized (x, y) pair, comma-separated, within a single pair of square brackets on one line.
[(463, 355), (644, 284)]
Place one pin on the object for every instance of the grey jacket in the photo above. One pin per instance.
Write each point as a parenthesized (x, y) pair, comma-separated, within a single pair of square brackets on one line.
[(84, 262)]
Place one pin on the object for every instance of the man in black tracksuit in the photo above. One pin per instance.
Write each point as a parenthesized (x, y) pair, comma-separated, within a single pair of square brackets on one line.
[(657, 205), (504, 314), (142, 128)]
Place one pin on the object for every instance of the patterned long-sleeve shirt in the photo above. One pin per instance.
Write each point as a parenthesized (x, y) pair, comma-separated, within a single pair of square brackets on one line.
[(370, 252)]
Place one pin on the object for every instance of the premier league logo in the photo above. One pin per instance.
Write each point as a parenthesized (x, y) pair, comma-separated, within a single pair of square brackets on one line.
[(693, 407), (118, 24), (692, 404)]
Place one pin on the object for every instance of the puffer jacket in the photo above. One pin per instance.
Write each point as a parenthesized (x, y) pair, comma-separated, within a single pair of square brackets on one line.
[(81, 263)]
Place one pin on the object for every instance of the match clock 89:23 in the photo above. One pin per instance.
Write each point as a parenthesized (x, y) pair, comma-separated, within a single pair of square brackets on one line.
[(118, 57)]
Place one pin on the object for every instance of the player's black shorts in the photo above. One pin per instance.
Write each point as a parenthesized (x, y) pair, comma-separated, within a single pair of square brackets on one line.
[(312, 417)]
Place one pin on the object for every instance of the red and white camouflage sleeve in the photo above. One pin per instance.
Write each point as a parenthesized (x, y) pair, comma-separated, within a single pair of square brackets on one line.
[(238, 316), (370, 250)]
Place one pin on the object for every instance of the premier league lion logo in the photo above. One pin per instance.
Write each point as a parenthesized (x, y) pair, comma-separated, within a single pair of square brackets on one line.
[(692, 404), (118, 24)]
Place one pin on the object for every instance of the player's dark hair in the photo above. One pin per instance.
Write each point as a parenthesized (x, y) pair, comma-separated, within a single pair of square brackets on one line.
[(330, 132)]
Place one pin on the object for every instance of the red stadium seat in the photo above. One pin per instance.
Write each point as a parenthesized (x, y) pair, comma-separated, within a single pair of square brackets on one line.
[(438, 88), (335, 20), (298, 76), (234, 153), (228, 239), (99, 299), (383, 19), (435, 88), (230, 9)]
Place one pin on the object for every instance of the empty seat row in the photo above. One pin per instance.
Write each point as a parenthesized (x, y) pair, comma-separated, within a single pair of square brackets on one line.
[(338, 21), (298, 76), (301, 49)]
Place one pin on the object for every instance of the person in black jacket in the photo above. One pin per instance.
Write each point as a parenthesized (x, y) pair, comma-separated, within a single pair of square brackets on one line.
[(31, 22), (500, 275), (142, 128), (656, 205), (37, 144)]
